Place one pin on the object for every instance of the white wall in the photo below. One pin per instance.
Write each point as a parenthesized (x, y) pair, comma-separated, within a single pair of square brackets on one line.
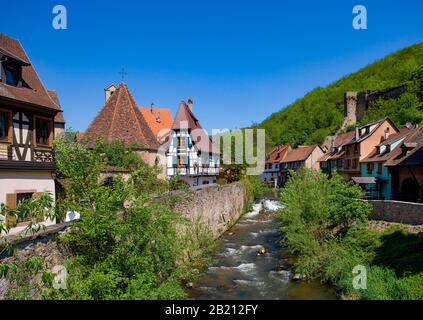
[(194, 159), (17, 181), (21, 182)]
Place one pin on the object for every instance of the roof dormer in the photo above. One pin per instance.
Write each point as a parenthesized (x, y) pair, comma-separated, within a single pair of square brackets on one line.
[(11, 69)]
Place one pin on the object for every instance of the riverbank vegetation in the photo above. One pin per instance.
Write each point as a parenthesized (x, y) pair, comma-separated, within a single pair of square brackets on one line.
[(325, 226), (127, 244)]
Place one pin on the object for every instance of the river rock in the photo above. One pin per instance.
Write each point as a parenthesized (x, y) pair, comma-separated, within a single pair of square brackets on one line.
[(261, 251), (189, 285), (298, 277)]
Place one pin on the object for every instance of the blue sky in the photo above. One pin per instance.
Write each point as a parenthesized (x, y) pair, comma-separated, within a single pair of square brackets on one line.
[(239, 60)]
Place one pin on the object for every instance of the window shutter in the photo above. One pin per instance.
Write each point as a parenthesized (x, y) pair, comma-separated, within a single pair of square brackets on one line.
[(175, 142), (11, 202)]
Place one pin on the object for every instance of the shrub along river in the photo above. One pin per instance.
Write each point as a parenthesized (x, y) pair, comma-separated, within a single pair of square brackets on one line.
[(250, 263)]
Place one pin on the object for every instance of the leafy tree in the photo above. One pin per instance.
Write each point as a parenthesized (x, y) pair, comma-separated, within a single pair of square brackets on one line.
[(318, 208)]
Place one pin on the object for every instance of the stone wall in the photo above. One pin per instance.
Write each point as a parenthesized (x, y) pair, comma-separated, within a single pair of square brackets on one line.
[(218, 207), (397, 211)]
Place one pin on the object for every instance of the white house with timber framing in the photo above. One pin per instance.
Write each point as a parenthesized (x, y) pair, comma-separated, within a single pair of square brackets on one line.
[(190, 151), (30, 118)]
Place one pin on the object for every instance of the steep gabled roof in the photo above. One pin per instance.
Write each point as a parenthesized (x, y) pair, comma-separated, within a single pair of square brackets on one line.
[(414, 138), (377, 124), (32, 91), (121, 120), (59, 118), (185, 119), (300, 154), (159, 120), (278, 153), (340, 140)]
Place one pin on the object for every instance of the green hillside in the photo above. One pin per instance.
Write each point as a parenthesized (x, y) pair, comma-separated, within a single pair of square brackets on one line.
[(320, 112)]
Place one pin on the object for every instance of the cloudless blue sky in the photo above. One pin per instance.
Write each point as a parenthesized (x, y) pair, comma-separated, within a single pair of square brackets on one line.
[(239, 60)]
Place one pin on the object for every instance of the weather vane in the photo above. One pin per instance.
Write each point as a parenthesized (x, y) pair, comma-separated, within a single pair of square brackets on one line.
[(123, 73)]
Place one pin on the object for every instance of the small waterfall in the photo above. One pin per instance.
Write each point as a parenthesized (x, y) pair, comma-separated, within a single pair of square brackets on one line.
[(249, 263)]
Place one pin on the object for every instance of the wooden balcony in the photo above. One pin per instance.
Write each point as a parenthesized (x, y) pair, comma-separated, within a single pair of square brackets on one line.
[(42, 158), (193, 171)]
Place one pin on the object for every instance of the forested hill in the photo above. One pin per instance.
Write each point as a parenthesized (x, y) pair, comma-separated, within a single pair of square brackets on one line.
[(320, 112)]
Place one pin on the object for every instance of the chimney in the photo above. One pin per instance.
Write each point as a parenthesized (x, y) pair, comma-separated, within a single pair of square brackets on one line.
[(109, 91), (151, 107), (190, 102), (332, 144), (386, 134)]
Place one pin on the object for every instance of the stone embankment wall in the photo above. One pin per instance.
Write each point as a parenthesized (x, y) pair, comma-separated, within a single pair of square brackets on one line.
[(397, 211), (217, 207)]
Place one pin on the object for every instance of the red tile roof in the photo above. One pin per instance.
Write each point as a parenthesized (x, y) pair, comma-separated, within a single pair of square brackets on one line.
[(159, 120), (414, 136), (377, 124), (340, 140), (300, 154), (59, 118), (121, 120), (185, 119), (278, 153), (32, 91)]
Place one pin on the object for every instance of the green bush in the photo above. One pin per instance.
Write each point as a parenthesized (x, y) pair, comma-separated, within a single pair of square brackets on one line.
[(126, 244), (324, 225)]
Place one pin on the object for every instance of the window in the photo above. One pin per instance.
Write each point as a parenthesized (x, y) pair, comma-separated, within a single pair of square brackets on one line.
[(182, 142), (5, 126), (22, 197), (206, 182), (348, 164), (43, 131), (379, 168), (369, 167), (182, 160), (354, 163), (12, 75), (355, 148)]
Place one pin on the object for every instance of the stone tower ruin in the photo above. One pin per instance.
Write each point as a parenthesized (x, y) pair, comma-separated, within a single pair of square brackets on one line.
[(354, 107)]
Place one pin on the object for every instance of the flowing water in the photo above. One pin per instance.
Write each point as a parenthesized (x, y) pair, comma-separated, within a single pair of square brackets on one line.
[(238, 270)]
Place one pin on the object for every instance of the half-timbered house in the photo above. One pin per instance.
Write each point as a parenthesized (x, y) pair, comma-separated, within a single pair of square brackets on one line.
[(27, 123), (190, 152)]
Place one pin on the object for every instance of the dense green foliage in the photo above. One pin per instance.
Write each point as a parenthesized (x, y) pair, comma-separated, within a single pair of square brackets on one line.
[(324, 224), (33, 210), (401, 110), (320, 112), (127, 244)]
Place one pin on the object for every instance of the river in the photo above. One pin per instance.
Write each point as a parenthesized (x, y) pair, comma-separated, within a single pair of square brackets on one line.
[(238, 271)]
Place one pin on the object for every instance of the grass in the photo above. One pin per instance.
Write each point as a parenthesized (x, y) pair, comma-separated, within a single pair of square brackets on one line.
[(394, 263)]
